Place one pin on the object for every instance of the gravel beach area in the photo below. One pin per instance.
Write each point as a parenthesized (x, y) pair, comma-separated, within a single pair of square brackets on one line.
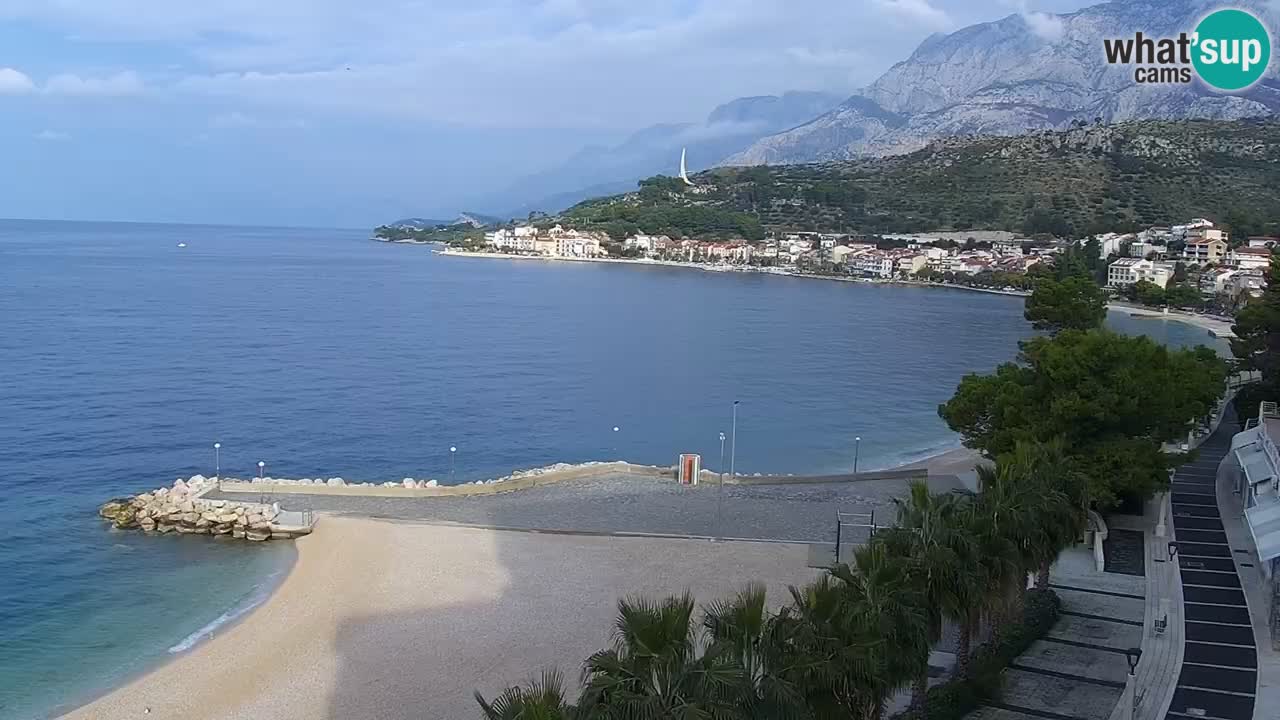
[(625, 503)]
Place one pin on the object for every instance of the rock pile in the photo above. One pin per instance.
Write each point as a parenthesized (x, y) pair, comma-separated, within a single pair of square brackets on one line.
[(181, 509)]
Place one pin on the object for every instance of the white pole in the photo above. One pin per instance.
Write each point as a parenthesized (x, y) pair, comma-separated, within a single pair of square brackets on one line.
[(857, 446), (261, 469), (733, 443), (720, 493), (453, 450), (217, 464)]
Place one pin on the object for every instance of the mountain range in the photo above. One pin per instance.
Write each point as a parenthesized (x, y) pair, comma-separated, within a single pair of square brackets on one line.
[(1011, 76), (1025, 72), (1083, 180)]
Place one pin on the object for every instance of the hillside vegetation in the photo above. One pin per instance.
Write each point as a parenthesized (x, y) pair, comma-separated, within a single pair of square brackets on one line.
[(1085, 180)]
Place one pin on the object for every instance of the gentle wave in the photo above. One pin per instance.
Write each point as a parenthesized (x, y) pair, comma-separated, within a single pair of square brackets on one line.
[(253, 599)]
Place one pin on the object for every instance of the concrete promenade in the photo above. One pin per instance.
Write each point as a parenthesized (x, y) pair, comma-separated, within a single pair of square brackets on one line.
[(623, 503)]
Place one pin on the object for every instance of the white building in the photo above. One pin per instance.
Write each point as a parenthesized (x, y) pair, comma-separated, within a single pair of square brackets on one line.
[(1249, 258), (876, 264), (1128, 271), (1257, 473)]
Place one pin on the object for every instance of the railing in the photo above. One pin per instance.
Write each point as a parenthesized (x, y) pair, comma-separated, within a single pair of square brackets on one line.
[(1268, 410), (853, 520)]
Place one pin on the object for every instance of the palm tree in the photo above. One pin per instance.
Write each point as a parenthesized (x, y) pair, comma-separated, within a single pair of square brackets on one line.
[(763, 647), (654, 669), (931, 537), (543, 699), (862, 633), (992, 568)]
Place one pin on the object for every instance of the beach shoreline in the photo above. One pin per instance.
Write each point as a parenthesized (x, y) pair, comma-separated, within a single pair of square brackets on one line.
[(312, 561), (1219, 328)]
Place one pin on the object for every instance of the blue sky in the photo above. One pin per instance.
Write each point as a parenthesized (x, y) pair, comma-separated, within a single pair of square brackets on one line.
[(345, 113)]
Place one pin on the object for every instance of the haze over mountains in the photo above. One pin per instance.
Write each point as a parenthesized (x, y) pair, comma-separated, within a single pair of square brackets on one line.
[(597, 170), (1023, 72)]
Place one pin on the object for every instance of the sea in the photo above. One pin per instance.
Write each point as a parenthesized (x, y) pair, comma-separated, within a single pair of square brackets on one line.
[(128, 350)]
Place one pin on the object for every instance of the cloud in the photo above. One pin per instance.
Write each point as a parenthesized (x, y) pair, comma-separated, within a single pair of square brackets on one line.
[(13, 82), (52, 136), (917, 11), (1045, 26), (122, 83)]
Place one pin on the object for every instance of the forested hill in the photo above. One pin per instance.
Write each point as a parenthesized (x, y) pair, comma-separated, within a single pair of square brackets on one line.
[(1084, 180)]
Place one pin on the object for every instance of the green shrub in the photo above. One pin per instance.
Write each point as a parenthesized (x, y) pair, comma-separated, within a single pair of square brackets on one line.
[(954, 699)]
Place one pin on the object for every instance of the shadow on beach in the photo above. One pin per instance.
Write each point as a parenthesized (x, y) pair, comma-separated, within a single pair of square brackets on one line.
[(482, 609)]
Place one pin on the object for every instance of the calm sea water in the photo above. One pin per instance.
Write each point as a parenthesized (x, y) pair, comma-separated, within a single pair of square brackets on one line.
[(123, 358)]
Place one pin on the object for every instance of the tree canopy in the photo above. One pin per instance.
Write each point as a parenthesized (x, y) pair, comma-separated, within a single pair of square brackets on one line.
[(1256, 344), (1113, 400)]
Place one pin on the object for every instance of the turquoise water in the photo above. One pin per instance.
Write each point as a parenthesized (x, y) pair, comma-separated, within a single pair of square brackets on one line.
[(123, 358)]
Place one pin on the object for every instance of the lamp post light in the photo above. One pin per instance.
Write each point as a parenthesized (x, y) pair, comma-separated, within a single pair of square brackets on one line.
[(453, 452), (615, 442), (262, 469), (720, 493), (857, 446), (217, 464), (733, 443), (1130, 700)]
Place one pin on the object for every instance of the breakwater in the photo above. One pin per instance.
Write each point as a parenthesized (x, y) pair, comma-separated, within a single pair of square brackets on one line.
[(182, 509)]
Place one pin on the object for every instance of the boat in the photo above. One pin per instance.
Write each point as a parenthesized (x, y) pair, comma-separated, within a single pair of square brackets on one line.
[(182, 245)]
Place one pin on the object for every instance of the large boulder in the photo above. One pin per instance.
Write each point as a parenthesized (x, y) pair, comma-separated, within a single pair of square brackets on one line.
[(257, 535), (335, 482)]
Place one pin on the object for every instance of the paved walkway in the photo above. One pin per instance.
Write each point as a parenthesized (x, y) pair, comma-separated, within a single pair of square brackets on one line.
[(624, 503), (1219, 677), (1077, 671)]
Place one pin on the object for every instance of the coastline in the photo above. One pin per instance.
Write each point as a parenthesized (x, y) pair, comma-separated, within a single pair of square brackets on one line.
[(229, 618), (1218, 328), (249, 650)]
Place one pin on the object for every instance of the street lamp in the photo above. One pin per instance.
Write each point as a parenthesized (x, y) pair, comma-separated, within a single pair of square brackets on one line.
[(1130, 703), (262, 467), (733, 442), (453, 451), (720, 492), (857, 445), (1132, 656), (615, 442), (217, 464)]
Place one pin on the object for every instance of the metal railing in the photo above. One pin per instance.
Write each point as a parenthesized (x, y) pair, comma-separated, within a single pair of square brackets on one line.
[(853, 520)]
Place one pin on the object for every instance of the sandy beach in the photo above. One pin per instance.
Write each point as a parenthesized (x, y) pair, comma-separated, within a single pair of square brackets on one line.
[(1220, 328), (394, 620)]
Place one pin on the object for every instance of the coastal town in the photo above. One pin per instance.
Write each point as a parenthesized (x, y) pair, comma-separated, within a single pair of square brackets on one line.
[(1194, 265)]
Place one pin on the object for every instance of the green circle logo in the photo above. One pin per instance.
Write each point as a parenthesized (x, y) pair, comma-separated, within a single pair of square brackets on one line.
[(1232, 49)]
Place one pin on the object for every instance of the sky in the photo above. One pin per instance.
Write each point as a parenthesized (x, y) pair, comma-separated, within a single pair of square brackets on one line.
[(345, 113)]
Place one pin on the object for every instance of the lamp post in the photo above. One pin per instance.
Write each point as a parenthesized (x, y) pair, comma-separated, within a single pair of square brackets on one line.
[(453, 452), (857, 445), (1129, 700), (733, 443), (720, 492), (262, 468), (217, 464), (615, 442)]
